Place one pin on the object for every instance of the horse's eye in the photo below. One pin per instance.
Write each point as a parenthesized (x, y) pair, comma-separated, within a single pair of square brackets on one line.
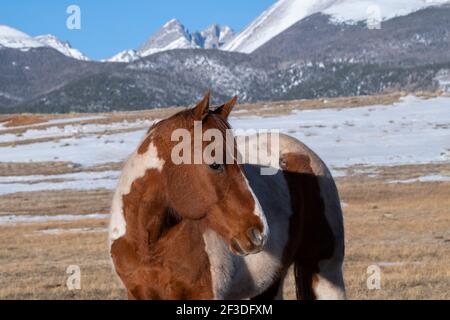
[(217, 167)]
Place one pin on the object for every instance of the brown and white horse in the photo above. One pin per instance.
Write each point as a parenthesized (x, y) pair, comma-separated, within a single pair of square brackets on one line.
[(213, 231)]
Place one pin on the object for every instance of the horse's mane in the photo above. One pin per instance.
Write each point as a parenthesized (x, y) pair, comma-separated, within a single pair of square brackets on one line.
[(185, 118)]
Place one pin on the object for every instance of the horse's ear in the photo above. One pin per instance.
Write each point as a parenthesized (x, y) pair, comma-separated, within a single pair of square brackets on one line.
[(201, 110), (225, 109)]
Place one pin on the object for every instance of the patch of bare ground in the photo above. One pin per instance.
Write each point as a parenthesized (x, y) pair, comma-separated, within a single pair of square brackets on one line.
[(34, 266), (395, 173), (51, 168), (56, 202), (22, 120), (409, 224)]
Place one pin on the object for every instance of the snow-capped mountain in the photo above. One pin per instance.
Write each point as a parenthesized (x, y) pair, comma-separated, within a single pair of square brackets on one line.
[(350, 11), (174, 35), (12, 38), (324, 54), (15, 39), (125, 56), (64, 47), (285, 13)]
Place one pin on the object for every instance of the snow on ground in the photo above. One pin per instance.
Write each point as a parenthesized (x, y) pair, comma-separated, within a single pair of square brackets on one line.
[(87, 151), (14, 219), (54, 122), (72, 181), (72, 129), (412, 131), (429, 178)]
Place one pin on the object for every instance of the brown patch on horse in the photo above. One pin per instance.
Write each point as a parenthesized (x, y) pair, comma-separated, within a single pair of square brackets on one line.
[(143, 148), (311, 237), (169, 274)]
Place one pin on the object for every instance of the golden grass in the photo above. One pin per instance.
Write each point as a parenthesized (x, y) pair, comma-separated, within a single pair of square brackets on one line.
[(22, 120), (403, 227), (406, 225), (51, 168)]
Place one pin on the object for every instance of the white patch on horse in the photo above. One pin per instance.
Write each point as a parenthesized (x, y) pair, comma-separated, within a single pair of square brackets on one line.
[(237, 277), (135, 168), (259, 212), (221, 263), (327, 290)]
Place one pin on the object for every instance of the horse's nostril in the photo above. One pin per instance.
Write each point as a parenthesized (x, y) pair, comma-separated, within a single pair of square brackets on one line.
[(255, 236)]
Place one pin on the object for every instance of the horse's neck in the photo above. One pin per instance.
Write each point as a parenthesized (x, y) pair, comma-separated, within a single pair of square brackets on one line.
[(182, 251), (144, 210), (185, 237)]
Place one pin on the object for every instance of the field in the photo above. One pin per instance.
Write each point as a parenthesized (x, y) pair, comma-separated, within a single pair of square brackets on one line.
[(390, 156)]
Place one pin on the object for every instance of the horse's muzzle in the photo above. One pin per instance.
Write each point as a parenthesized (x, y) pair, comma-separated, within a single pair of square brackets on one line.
[(254, 243)]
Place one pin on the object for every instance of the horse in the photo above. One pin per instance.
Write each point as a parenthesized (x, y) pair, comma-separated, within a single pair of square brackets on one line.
[(224, 231)]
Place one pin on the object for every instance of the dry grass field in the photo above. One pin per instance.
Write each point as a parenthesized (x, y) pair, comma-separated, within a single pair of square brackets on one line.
[(404, 228)]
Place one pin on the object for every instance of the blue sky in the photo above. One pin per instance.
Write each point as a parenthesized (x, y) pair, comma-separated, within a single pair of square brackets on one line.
[(108, 27)]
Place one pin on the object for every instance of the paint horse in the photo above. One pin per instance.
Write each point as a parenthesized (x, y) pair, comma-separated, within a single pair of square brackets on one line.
[(224, 231)]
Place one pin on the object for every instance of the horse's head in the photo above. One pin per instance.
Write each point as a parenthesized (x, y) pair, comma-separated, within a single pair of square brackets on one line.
[(213, 190)]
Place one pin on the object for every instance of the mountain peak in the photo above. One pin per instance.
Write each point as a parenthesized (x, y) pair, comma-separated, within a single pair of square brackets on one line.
[(174, 35), (15, 39), (173, 23), (12, 38), (63, 47)]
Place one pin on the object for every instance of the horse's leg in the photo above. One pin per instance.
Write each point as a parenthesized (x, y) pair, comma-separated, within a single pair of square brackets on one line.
[(320, 280), (328, 283)]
